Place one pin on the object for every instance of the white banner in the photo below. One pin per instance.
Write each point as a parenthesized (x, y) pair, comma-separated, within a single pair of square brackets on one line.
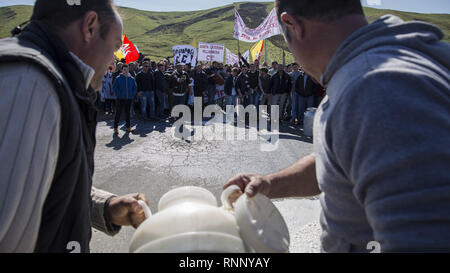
[(184, 54), (270, 27), (234, 59), (211, 52), (231, 58)]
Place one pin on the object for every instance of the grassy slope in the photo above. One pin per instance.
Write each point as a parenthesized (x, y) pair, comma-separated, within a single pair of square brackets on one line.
[(156, 32)]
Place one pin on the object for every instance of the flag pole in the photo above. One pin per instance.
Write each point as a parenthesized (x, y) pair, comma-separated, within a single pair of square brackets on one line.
[(265, 51), (239, 50)]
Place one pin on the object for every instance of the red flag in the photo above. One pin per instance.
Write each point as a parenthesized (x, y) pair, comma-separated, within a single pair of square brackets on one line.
[(129, 50)]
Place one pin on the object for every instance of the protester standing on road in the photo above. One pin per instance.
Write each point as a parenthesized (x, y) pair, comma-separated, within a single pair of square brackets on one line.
[(146, 89), (253, 76), (296, 111), (108, 92), (125, 89), (47, 152), (264, 86), (381, 134), (160, 87), (232, 92), (211, 72), (280, 84), (200, 83), (181, 87)]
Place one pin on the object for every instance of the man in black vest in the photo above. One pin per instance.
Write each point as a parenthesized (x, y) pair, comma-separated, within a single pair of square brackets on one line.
[(52, 68)]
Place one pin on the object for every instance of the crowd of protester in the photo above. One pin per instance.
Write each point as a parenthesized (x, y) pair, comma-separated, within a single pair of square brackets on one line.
[(149, 90)]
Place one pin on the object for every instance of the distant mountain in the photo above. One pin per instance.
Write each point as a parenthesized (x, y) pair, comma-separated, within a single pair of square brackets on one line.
[(156, 32)]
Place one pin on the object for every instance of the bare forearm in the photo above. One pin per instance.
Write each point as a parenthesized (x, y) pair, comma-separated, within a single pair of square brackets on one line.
[(298, 180)]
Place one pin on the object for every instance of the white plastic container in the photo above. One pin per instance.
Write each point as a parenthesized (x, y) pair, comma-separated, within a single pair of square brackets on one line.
[(189, 221), (308, 122)]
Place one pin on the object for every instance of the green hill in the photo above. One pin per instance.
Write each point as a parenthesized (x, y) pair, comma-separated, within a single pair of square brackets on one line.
[(156, 32)]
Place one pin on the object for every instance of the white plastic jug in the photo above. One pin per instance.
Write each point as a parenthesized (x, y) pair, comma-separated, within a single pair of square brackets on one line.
[(189, 221)]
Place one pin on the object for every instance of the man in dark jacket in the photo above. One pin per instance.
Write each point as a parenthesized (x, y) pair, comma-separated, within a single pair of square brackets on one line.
[(244, 86), (181, 86), (232, 92), (211, 72), (160, 87), (146, 89), (265, 87), (253, 80), (306, 88), (54, 65), (280, 85), (200, 82)]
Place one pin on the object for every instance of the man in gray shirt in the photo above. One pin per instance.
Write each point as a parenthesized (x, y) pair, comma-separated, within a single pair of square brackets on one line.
[(381, 136)]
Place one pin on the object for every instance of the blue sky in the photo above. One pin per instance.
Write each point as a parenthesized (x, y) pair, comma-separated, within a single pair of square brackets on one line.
[(423, 6)]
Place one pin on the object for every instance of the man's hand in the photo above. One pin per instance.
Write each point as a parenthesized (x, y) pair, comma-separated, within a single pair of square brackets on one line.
[(125, 210), (251, 184)]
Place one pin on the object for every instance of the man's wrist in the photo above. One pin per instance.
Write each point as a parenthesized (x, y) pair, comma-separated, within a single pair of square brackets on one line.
[(108, 217)]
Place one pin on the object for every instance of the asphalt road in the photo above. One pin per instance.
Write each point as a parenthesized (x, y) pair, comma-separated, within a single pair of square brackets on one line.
[(153, 161)]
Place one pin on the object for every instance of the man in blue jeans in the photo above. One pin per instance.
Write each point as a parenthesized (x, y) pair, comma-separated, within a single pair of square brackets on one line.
[(146, 89), (160, 87), (306, 88), (232, 90), (125, 88), (295, 74), (211, 72)]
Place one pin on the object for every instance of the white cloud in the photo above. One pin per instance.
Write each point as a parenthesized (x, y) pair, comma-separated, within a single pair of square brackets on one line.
[(374, 2)]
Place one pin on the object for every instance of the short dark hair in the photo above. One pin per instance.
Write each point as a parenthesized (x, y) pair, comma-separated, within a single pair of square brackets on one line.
[(60, 13), (146, 59), (235, 69), (322, 10), (125, 66)]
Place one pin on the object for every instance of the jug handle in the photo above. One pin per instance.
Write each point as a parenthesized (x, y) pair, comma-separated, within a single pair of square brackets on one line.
[(226, 194), (147, 211)]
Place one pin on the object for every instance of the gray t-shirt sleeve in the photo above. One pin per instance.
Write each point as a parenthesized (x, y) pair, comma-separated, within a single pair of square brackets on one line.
[(29, 144), (390, 133)]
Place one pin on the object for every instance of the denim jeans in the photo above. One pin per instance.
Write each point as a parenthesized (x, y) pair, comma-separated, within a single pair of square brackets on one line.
[(211, 93), (279, 99), (254, 99), (148, 98), (161, 105), (232, 100), (294, 110)]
